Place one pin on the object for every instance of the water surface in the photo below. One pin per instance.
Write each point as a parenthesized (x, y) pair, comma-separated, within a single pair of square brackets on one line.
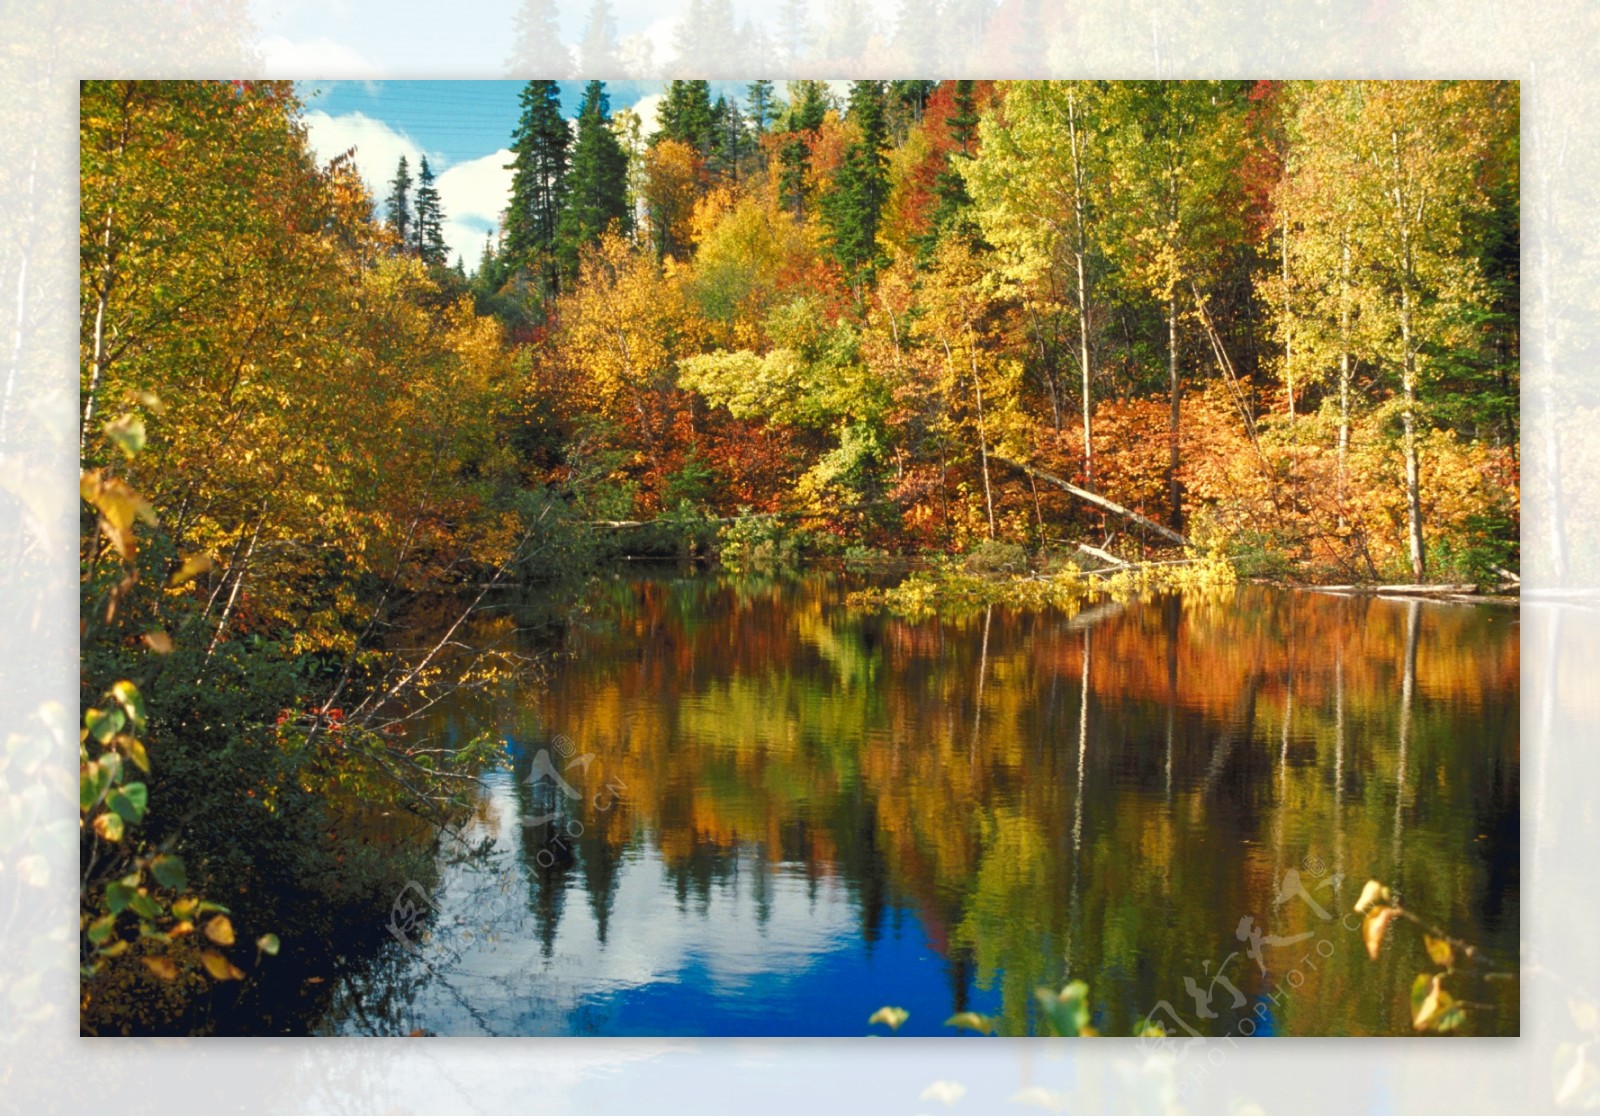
[(737, 807)]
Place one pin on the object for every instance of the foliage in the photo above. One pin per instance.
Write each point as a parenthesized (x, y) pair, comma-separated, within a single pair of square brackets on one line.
[(1434, 1008)]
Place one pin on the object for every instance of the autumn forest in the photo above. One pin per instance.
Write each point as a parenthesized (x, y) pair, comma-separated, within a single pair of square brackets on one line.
[(1002, 336)]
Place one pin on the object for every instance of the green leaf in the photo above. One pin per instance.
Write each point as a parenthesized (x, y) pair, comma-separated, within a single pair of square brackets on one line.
[(168, 870), (891, 1015), (144, 907), (1067, 1012), (127, 432), (118, 895), (207, 905), (103, 724), (131, 701), (129, 801), (268, 944), (93, 779)]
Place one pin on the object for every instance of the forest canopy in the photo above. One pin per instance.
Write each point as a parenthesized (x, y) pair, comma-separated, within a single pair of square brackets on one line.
[(1274, 320)]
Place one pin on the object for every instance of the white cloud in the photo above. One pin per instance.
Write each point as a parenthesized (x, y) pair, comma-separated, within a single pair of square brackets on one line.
[(378, 146), (648, 109), (314, 58), (473, 194)]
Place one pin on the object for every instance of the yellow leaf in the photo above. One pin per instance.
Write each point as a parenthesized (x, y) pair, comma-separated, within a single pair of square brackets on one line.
[(220, 930), (890, 1015), (161, 967), (158, 642), (192, 567), (1433, 1004), (1442, 953), (219, 967), (1371, 894), (109, 826)]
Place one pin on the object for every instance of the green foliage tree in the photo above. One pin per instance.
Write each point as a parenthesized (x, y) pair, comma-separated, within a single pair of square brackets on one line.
[(851, 210), (398, 204), (428, 227), (685, 115), (596, 195), (538, 182)]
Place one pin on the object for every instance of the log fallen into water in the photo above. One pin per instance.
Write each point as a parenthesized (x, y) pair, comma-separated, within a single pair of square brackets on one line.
[(1103, 556), (1463, 589), (1095, 499)]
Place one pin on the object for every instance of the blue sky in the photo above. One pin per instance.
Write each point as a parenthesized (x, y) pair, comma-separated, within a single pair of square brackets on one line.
[(462, 127)]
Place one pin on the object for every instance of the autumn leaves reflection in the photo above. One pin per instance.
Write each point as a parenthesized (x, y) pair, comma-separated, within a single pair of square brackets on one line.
[(1101, 796)]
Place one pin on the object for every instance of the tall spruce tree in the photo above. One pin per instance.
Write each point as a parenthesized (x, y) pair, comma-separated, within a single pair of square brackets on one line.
[(763, 106), (952, 202), (685, 115), (597, 182), (398, 204), (538, 182), (852, 209), (427, 235)]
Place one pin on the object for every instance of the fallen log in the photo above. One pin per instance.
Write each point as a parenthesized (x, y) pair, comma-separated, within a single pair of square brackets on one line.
[(1103, 556), (1440, 590), (1095, 499)]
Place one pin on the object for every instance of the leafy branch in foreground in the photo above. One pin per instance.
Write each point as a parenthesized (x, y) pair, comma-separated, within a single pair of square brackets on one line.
[(1433, 1007)]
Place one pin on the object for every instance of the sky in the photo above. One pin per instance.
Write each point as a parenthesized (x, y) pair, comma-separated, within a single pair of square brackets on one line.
[(463, 128)]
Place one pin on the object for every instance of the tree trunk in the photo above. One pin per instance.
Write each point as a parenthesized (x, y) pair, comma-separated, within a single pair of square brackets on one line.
[(1409, 419), (983, 439), (1080, 252), (1344, 372), (1097, 500), (1174, 493)]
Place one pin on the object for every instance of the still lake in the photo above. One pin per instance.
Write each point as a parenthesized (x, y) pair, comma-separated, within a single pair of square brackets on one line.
[(736, 806)]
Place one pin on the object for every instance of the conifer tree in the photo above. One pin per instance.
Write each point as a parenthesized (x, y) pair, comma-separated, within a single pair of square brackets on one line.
[(763, 107), (427, 234), (686, 115), (538, 181), (597, 182), (852, 210), (398, 204)]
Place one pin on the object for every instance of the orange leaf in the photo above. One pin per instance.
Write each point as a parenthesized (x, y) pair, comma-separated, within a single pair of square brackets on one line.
[(1372, 929)]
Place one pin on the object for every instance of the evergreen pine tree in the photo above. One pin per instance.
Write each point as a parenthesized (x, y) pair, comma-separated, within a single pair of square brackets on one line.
[(597, 183), (730, 140), (808, 104), (685, 115), (398, 204), (538, 180), (763, 108), (427, 234), (952, 202), (852, 209)]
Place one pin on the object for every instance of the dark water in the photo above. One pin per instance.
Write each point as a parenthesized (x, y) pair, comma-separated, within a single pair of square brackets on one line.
[(778, 814)]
